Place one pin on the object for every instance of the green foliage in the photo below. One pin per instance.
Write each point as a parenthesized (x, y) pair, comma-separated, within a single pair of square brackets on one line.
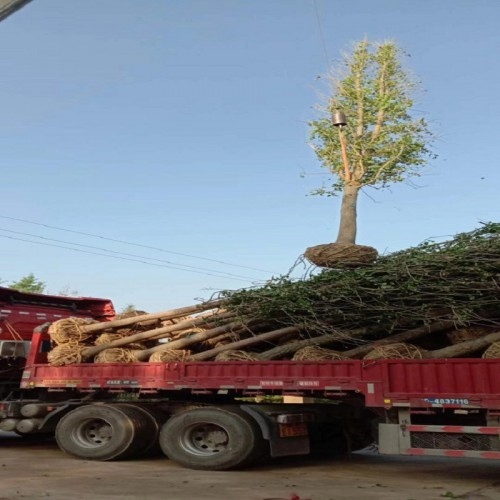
[(29, 284), (456, 279), (385, 143)]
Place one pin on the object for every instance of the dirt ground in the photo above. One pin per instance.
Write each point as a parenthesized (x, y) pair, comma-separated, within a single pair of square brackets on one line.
[(40, 470)]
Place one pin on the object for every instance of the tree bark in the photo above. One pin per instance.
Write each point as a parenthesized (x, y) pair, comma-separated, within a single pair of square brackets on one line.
[(173, 313), (468, 347), (416, 333), (348, 214), (329, 338), (187, 341), (155, 334), (257, 339)]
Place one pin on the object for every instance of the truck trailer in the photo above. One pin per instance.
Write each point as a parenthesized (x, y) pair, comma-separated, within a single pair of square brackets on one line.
[(223, 415)]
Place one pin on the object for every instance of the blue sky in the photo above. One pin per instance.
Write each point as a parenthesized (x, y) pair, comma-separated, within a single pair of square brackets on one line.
[(182, 125)]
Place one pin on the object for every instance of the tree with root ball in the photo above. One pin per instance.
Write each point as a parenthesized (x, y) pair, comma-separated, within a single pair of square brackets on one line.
[(366, 138)]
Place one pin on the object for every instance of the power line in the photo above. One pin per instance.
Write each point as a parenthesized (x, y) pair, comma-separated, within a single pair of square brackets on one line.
[(128, 254), (115, 257), (135, 244), (321, 34)]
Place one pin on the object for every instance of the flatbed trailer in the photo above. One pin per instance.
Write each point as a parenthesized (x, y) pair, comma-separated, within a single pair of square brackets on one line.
[(206, 415), (222, 415)]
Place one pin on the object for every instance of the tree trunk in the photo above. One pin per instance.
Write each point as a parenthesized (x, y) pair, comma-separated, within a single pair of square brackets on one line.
[(348, 214), (172, 313), (257, 339), (329, 338), (468, 347), (187, 341), (155, 334), (416, 333)]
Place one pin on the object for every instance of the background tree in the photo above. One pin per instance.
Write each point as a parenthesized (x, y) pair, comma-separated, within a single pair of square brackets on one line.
[(67, 291), (381, 143), (129, 308), (29, 283)]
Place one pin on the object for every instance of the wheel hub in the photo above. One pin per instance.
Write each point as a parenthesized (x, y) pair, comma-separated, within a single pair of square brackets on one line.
[(205, 439), (93, 433)]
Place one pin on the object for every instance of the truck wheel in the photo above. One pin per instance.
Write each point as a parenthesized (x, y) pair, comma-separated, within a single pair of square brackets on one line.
[(102, 432), (155, 418), (210, 439)]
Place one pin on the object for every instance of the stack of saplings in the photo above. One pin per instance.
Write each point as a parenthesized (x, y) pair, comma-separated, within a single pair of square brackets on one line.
[(436, 300)]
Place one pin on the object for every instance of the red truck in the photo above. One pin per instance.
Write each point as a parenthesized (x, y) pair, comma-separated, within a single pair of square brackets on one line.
[(205, 415)]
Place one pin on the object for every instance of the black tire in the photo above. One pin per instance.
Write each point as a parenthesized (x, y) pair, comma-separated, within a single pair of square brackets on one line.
[(211, 439), (154, 419), (102, 432)]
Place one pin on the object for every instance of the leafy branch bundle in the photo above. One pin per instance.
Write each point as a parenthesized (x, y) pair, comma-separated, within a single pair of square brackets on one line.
[(458, 280), (373, 312)]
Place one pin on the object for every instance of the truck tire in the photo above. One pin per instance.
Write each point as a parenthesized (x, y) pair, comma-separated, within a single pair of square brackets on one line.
[(211, 439), (102, 432), (155, 418)]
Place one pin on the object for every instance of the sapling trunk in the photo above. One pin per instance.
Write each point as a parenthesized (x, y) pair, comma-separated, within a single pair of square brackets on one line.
[(172, 313), (157, 333), (348, 215), (257, 339)]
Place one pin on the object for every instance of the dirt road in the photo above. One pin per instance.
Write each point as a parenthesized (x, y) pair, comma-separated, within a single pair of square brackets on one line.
[(30, 470)]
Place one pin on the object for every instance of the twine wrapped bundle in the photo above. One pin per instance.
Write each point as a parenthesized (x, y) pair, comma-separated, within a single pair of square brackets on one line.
[(470, 333), (106, 338), (69, 330), (395, 351), (493, 351), (316, 353), (173, 356), (344, 254), (116, 355), (237, 356), (65, 354)]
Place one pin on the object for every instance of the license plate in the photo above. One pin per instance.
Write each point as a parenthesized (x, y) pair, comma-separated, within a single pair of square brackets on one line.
[(292, 430)]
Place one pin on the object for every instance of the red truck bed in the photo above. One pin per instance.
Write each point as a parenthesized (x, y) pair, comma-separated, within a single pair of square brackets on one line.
[(460, 383)]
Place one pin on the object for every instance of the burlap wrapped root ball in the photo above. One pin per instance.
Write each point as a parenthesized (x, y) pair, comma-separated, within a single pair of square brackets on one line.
[(333, 255), (116, 355), (70, 330), (237, 356), (316, 353), (493, 351), (395, 351), (171, 356), (107, 338), (65, 354)]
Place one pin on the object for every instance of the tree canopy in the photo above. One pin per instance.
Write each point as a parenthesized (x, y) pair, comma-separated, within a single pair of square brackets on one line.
[(29, 283), (383, 142)]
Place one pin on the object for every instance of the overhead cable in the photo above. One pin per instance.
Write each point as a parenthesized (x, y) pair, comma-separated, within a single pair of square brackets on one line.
[(135, 244), (120, 258), (179, 266)]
